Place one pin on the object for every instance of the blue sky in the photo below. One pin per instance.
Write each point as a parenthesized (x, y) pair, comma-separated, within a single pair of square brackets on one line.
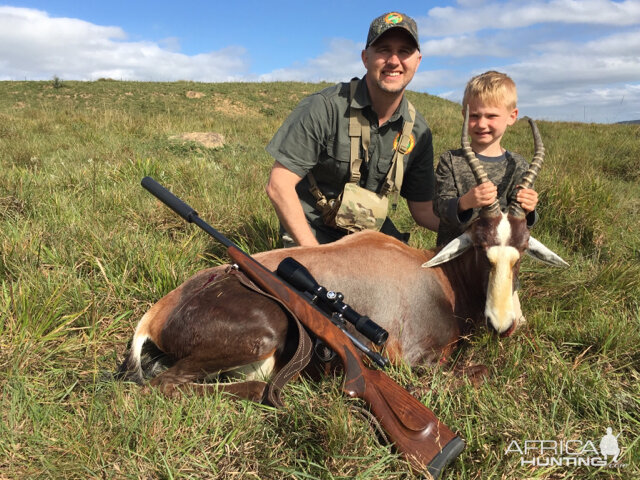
[(573, 60)]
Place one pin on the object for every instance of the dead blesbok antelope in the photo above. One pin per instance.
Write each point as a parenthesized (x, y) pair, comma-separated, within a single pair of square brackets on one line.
[(425, 299)]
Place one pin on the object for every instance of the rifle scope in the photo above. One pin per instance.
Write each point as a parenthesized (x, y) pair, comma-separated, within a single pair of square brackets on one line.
[(299, 277)]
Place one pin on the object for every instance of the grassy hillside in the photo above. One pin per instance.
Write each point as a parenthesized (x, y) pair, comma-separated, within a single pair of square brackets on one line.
[(84, 252)]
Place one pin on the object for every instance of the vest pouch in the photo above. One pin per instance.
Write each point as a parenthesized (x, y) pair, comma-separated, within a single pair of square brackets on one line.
[(361, 209)]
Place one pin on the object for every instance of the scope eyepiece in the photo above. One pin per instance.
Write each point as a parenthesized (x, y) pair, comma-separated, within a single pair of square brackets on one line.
[(372, 330)]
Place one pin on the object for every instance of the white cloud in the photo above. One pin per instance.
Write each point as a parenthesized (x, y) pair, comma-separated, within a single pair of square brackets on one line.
[(463, 46), (37, 28), (565, 77), (34, 46), (627, 43), (610, 104), (471, 3), (560, 71), (510, 15), (170, 43), (622, 44), (341, 61), (563, 86), (430, 80)]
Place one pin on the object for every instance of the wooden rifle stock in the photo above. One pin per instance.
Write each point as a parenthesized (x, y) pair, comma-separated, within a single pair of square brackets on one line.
[(416, 432)]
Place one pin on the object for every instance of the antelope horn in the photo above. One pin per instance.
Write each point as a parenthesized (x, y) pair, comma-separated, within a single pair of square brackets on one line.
[(515, 209), (476, 167)]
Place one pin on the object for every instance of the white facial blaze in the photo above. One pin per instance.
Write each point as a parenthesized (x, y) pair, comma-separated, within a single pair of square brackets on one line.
[(499, 306), (504, 230)]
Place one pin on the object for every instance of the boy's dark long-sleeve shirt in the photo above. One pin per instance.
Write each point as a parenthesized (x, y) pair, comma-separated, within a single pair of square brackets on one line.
[(454, 178)]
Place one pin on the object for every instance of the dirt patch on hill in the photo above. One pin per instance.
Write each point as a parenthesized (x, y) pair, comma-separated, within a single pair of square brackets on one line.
[(221, 103), (232, 108), (206, 139)]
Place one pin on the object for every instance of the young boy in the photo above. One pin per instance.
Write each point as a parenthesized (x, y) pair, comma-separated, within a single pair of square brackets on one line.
[(492, 100)]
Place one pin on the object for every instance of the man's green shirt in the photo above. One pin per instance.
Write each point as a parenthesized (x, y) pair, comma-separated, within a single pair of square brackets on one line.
[(315, 138)]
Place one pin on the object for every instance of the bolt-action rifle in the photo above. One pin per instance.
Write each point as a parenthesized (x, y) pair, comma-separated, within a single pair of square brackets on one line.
[(415, 431)]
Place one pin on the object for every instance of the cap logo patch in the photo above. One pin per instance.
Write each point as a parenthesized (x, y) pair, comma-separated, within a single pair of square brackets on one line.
[(393, 18)]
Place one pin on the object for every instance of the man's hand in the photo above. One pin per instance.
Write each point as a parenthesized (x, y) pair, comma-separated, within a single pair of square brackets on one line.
[(479, 196)]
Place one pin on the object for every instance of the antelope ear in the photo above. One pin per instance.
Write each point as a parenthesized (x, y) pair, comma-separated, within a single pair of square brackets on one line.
[(538, 251), (451, 250)]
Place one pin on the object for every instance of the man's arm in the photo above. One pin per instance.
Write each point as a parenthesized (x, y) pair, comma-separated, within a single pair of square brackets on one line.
[(281, 189), (446, 204), (422, 213)]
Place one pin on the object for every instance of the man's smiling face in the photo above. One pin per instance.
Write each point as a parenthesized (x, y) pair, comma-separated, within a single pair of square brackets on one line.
[(392, 61)]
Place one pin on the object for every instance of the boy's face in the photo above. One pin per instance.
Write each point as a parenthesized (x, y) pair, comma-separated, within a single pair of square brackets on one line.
[(487, 124)]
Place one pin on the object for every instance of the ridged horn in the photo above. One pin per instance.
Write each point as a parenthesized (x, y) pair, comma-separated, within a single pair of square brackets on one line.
[(479, 173), (515, 209)]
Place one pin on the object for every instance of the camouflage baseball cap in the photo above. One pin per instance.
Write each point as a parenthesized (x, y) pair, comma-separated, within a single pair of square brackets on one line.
[(392, 20)]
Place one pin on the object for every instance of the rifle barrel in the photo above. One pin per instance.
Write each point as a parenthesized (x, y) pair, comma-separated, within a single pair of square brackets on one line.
[(182, 209)]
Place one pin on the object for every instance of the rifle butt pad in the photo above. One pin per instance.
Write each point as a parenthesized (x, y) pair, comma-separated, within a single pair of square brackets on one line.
[(448, 454)]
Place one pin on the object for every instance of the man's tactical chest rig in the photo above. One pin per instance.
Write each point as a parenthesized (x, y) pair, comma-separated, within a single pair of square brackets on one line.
[(358, 208)]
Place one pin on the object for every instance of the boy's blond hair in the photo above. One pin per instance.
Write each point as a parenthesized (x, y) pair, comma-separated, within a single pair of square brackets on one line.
[(493, 88)]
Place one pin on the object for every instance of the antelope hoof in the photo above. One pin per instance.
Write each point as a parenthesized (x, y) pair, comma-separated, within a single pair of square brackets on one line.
[(167, 389)]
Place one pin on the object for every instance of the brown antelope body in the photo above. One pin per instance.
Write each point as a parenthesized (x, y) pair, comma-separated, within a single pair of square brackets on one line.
[(425, 299)]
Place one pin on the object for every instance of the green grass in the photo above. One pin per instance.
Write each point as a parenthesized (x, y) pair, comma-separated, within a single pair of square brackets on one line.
[(84, 252)]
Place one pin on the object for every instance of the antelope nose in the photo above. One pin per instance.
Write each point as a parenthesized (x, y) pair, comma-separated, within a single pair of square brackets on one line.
[(509, 331), (505, 331)]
